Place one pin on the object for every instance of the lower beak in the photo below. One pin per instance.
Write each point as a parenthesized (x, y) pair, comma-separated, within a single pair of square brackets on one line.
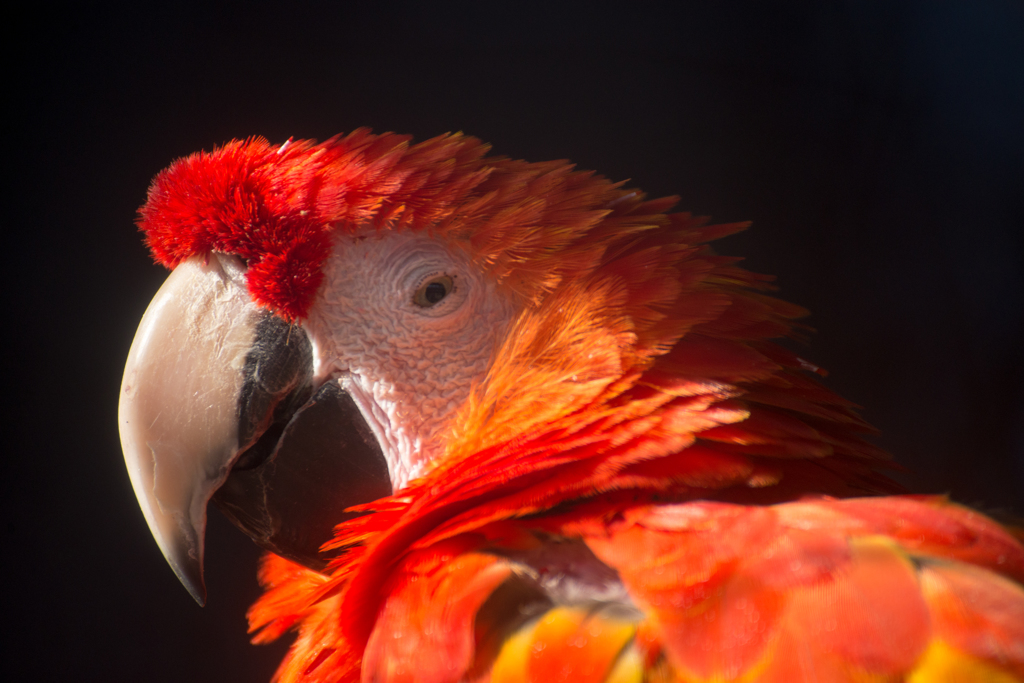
[(216, 393)]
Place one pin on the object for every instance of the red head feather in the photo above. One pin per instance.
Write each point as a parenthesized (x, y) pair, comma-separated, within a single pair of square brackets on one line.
[(279, 208), (276, 207)]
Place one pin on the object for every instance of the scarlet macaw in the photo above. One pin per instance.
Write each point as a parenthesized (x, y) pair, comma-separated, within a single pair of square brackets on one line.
[(498, 420)]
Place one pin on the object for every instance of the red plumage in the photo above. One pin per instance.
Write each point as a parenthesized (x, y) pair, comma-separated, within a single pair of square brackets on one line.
[(638, 407)]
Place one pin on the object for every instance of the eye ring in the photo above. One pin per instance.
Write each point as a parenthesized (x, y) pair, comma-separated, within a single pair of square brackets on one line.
[(433, 290)]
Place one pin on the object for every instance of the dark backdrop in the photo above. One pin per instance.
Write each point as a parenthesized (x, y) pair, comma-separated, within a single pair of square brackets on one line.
[(877, 146)]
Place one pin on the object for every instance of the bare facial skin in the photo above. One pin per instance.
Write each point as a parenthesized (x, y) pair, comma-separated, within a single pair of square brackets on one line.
[(408, 325)]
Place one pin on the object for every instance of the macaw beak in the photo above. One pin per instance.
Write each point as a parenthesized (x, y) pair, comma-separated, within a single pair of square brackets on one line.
[(217, 402)]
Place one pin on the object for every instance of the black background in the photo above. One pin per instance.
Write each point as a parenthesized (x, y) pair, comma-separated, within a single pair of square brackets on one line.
[(877, 146)]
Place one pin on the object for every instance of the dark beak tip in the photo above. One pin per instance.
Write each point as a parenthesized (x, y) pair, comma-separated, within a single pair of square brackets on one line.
[(185, 558), (198, 594), (191, 577)]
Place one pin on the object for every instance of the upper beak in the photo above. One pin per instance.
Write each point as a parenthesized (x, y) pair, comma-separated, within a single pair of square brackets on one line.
[(209, 375)]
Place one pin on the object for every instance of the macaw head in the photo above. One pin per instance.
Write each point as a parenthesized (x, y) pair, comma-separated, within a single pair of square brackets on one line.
[(345, 318)]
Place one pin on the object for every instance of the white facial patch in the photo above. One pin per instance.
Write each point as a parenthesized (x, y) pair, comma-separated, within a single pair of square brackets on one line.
[(407, 324)]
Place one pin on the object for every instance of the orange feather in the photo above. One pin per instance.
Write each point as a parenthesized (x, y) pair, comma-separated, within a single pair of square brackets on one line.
[(638, 409)]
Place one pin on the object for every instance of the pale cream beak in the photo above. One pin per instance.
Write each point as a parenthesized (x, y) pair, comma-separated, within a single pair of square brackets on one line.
[(178, 409), (218, 398)]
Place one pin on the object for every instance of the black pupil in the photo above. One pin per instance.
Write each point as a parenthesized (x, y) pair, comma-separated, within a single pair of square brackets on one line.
[(434, 292)]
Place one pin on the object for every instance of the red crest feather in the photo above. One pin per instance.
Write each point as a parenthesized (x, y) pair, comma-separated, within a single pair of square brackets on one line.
[(280, 208)]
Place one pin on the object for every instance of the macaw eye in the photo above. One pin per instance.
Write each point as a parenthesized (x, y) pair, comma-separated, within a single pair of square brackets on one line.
[(433, 290)]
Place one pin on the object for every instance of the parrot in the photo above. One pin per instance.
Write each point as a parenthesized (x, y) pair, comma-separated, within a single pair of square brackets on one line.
[(498, 420)]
